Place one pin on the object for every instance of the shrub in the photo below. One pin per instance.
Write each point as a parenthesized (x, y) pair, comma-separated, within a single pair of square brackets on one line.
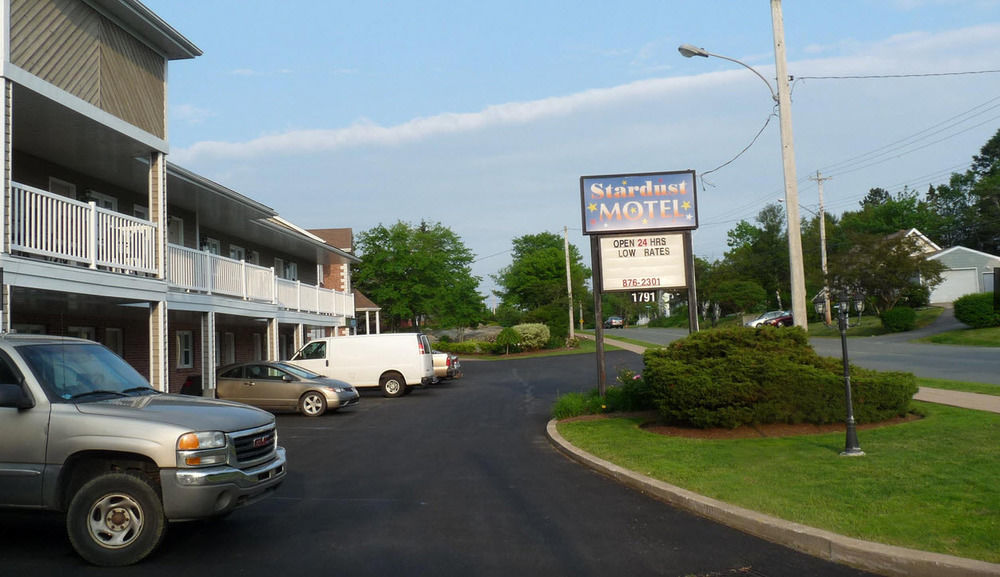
[(533, 336), (899, 319), (576, 404), (508, 339), (465, 347), (738, 376), (630, 394), (976, 310)]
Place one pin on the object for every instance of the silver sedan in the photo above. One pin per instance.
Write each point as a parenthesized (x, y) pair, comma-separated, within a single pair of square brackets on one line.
[(278, 386)]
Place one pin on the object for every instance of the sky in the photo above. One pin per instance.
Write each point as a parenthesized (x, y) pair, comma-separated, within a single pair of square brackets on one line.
[(483, 116)]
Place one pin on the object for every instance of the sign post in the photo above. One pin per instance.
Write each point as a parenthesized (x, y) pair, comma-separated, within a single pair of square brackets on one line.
[(640, 227)]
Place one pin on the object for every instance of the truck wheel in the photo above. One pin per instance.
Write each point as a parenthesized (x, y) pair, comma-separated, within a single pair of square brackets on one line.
[(312, 404), (115, 519), (392, 385)]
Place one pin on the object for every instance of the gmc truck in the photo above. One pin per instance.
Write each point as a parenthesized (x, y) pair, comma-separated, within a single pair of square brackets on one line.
[(84, 433)]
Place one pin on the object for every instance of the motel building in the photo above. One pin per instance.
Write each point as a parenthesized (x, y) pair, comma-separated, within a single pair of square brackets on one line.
[(103, 238)]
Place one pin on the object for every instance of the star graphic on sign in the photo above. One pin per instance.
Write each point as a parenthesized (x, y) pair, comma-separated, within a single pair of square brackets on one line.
[(624, 181), (592, 207), (686, 205)]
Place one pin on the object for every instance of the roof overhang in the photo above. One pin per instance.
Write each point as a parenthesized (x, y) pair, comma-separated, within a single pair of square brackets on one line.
[(150, 28)]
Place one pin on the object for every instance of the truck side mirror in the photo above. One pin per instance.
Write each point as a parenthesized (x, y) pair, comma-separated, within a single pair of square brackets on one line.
[(12, 395)]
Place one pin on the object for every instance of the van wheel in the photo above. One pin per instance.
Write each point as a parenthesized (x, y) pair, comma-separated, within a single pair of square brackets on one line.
[(312, 404), (115, 519), (392, 385)]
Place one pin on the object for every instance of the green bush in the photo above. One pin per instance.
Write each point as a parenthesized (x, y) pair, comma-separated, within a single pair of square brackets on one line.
[(630, 394), (533, 336), (976, 310), (465, 347), (508, 340), (739, 376), (576, 404), (899, 319)]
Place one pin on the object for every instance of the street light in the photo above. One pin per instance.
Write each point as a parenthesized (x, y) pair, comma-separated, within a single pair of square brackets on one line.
[(851, 446), (784, 100)]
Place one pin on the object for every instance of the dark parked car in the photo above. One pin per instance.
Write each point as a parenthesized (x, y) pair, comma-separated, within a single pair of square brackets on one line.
[(278, 386), (784, 320), (766, 318), (614, 323)]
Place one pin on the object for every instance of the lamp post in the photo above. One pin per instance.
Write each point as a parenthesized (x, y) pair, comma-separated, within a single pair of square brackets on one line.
[(851, 446), (783, 98)]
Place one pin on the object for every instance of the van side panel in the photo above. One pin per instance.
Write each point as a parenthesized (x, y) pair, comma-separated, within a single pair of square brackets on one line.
[(362, 360)]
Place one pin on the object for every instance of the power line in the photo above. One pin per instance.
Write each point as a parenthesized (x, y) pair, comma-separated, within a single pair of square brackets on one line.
[(882, 76)]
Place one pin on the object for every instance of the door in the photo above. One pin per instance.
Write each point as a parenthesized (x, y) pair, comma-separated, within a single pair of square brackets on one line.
[(22, 452), (313, 357)]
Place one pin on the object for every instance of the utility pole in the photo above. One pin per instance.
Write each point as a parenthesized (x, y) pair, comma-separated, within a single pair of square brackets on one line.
[(798, 279), (569, 282), (822, 246)]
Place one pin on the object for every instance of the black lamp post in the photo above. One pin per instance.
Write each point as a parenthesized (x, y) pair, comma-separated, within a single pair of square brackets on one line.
[(851, 446)]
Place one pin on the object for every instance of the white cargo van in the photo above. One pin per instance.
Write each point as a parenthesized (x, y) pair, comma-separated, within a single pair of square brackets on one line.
[(393, 362)]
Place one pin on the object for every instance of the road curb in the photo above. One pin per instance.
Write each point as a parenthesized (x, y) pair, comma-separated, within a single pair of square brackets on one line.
[(865, 555)]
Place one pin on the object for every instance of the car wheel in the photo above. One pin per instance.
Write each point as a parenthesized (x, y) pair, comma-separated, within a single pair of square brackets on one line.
[(392, 385), (115, 519), (312, 404)]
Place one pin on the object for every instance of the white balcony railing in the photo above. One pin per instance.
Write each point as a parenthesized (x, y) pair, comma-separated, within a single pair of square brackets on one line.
[(200, 271), (56, 227), (65, 230)]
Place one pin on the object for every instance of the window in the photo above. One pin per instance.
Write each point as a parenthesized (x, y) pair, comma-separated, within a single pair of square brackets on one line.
[(114, 341), (140, 211), (89, 333), (103, 200), (29, 329), (253, 257), (237, 252), (211, 245), (314, 350), (185, 350), (62, 188), (291, 271)]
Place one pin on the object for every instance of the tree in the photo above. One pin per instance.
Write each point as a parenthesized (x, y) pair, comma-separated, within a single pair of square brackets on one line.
[(760, 253), (739, 296), (884, 268), (535, 281), (418, 272)]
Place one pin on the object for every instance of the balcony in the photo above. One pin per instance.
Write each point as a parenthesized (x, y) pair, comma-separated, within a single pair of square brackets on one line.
[(74, 233)]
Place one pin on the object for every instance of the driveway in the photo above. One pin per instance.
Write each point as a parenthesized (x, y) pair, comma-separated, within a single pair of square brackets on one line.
[(454, 479)]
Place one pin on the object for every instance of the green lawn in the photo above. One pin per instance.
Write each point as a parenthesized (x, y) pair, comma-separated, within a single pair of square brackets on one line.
[(929, 484)]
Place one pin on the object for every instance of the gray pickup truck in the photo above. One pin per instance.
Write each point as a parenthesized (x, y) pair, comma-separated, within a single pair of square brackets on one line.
[(84, 433)]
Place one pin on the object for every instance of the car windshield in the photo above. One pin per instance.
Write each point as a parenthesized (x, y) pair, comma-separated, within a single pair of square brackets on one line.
[(83, 372), (298, 371)]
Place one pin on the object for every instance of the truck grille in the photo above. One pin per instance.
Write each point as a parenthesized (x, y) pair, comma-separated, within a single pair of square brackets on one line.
[(254, 446)]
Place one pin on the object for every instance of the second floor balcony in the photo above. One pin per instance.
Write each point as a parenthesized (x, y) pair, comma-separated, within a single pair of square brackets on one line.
[(73, 233)]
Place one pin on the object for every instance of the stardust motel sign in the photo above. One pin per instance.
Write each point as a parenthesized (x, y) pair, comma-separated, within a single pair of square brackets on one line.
[(655, 201)]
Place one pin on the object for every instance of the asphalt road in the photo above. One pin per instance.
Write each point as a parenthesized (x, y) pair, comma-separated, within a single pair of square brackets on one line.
[(456, 479), (884, 353)]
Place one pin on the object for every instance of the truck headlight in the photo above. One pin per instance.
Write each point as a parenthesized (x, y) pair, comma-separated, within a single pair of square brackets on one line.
[(202, 449)]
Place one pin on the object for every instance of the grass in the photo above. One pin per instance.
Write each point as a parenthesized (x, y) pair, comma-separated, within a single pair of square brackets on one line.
[(989, 337), (983, 388), (928, 484)]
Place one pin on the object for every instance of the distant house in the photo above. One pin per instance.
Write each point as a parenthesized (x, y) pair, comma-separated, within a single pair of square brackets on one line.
[(967, 271)]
